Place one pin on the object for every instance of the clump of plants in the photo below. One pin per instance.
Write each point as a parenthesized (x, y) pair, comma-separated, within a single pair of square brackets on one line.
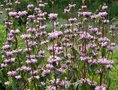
[(76, 55)]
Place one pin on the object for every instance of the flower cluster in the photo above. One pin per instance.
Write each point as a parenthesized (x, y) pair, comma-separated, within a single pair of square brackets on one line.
[(45, 54)]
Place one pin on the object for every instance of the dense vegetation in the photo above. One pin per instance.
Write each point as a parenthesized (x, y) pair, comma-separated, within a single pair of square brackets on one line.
[(58, 45), (61, 4)]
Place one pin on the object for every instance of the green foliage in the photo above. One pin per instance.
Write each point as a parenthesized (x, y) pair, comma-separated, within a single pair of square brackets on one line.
[(2, 35), (114, 72), (74, 71), (59, 5), (113, 11)]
